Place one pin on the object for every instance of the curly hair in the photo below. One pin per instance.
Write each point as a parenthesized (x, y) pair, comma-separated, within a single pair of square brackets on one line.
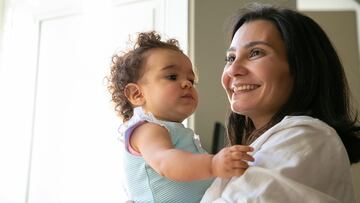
[(126, 68)]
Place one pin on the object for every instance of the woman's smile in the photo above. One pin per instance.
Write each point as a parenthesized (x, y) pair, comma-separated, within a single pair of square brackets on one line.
[(256, 75), (244, 88)]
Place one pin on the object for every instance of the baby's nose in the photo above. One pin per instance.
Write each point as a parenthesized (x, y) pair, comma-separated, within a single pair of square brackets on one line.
[(186, 84)]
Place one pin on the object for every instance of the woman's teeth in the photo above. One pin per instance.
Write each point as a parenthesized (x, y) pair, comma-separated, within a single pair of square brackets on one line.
[(244, 87)]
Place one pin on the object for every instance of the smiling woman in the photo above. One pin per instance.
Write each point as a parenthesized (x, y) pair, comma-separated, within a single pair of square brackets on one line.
[(289, 99), (256, 77)]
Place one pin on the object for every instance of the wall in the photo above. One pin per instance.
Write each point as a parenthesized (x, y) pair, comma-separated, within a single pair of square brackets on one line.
[(1, 28)]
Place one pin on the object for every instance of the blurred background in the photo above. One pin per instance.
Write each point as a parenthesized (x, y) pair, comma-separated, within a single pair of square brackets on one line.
[(58, 129)]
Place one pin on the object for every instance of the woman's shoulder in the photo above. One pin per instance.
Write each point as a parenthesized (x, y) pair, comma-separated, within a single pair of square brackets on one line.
[(303, 126), (303, 133), (305, 150), (303, 121), (302, 138)]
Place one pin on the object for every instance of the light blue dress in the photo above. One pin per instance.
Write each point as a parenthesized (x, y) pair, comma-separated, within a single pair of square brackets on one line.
[(144, 184)]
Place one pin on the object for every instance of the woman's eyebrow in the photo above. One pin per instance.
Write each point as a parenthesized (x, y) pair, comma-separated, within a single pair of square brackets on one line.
[(250, 44), (231, 49), (253, 43)]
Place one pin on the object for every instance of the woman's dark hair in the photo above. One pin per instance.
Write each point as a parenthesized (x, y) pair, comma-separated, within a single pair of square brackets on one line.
[(320, 88), (126, 67)]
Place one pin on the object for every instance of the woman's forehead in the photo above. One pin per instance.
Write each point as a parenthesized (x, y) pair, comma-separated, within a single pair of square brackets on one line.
[(258, 30)]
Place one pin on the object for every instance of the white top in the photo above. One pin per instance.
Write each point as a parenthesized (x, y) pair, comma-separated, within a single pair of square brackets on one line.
[(300, 159)]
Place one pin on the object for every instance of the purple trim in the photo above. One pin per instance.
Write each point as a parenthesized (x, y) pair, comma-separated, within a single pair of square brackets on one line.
[(128, 134)]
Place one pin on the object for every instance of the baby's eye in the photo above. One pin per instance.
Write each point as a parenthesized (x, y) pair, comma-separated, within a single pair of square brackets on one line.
[(171, 77), (230, 59)]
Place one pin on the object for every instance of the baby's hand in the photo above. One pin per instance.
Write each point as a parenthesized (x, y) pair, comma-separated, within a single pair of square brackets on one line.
[(231, 161)]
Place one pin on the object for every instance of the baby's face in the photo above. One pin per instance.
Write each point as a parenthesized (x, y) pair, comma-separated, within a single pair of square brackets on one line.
[(167, 85)]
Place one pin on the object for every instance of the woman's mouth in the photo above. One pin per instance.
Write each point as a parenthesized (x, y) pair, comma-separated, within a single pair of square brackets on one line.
[(245, 87)]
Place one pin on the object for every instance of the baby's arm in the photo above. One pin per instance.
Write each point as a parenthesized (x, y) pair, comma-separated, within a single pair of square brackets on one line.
[(154, 144)]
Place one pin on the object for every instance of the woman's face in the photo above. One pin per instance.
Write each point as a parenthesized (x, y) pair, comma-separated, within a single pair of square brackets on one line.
[(256, 76)]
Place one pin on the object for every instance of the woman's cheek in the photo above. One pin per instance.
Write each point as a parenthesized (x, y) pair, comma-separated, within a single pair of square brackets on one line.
[(224, 80)]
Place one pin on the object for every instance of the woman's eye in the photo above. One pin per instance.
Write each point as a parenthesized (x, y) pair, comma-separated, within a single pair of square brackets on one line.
[(255, 53), (230, 59), (172, 77)]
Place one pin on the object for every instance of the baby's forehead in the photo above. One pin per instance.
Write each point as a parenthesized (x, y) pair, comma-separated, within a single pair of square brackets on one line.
[(165, 59), (160, 52)]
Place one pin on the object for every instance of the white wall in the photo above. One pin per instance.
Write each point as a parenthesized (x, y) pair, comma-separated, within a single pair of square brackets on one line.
[(1, 28)]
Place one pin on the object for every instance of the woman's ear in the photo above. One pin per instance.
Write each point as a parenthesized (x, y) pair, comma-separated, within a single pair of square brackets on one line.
[(134, 95)]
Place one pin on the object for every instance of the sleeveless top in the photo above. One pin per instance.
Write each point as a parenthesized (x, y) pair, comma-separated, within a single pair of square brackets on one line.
[(144, 184)]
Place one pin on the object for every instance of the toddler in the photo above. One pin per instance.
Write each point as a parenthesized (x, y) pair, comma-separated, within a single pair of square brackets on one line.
[(152, 87)]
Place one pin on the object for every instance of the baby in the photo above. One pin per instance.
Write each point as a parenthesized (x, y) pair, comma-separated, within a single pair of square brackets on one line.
[(152, 86)]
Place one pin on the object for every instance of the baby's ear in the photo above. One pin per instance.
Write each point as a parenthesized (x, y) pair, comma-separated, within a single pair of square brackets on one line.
[(134, 95)]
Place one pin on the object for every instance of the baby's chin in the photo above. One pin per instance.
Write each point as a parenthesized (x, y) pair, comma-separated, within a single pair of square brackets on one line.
[(182, 119)]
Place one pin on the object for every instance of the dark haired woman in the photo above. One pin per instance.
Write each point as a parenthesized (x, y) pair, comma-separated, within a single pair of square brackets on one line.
[(289, 100)]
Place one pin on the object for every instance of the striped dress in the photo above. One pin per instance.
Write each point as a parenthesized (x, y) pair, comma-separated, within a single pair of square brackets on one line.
[(144, 184)]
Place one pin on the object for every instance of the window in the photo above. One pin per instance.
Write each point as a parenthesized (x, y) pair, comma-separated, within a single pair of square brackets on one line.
[(61, 129)]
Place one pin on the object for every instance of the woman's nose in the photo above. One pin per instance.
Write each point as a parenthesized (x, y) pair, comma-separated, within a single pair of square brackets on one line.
[(236, 69)]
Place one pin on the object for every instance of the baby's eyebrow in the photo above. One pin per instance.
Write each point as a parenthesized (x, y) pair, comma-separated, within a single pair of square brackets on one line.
[(176, 67), (171, 66)]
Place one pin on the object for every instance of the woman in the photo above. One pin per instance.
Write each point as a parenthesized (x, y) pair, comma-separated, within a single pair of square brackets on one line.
[(289, 100)]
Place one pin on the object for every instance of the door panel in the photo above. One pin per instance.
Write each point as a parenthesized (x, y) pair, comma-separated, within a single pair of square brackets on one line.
[(70, 135)]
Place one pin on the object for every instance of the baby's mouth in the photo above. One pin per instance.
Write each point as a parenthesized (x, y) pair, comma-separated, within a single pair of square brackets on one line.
[(189, 96)]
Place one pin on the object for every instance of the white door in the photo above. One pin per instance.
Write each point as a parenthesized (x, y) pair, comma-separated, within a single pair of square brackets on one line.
[(74, 154)]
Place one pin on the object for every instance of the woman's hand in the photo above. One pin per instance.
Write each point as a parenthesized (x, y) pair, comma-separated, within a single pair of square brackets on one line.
[(231, 161)]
